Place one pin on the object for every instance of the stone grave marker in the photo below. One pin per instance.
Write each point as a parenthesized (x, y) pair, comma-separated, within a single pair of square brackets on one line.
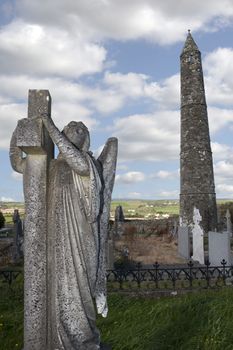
[(219, 248), (184, 242), (198, 237), (229, 223)]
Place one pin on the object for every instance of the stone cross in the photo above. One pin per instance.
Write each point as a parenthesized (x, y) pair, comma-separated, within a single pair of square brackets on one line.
[(34, 141), (198, 237)]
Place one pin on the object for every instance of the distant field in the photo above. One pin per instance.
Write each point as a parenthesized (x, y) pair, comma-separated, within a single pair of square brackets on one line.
[(12, 205), (146, 208), (131, 208), (149, 208)]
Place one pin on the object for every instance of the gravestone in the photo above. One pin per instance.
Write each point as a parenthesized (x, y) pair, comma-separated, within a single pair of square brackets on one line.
[(174, 229), (119, 221), (119, 215), (18, 228), (229, 223), (184, 242), (110, 254), (67, 205), (198, 237), (219, 248)]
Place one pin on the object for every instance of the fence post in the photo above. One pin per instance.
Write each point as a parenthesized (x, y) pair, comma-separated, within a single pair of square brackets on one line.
[(138, 266), (156, 265), (190, 266), (207, 273), (223, 263)]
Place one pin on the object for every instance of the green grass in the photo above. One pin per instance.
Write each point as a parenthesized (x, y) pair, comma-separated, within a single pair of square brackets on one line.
[(144, 207), (141, 207), (11, 315), (200, 321)]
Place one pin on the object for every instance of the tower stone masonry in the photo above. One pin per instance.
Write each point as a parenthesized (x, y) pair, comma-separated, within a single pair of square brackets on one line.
[(196, 165)]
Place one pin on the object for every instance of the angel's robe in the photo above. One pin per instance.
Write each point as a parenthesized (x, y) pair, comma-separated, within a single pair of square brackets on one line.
[(75, 255)]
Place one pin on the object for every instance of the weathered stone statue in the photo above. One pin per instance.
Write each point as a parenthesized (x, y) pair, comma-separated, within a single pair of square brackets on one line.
[(79, 191)]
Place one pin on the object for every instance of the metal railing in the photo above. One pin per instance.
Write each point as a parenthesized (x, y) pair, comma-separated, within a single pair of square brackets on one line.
[(171, 278), (158, 277)]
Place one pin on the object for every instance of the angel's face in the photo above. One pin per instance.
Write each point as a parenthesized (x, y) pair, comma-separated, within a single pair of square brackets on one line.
[(76, 134)]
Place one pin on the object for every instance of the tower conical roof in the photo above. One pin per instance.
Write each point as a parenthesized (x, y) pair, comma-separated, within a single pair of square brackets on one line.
[(189, 45)]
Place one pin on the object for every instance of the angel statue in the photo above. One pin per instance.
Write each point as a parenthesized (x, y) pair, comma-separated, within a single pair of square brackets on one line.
[(79, 195)]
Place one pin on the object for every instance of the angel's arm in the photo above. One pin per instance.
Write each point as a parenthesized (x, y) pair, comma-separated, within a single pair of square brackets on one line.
[(73, 156), (16, 155)]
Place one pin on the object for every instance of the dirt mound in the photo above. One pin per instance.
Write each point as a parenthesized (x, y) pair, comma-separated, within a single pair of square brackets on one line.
[(150, 249)]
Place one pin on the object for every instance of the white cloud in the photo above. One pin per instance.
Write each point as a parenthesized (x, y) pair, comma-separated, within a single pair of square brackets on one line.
[(134, 195), (224, 191), (219, 118), (33, 49), (164, 21), (133, 85), (130, 177), (218, 72), (166, 175), (130, 84), (169, 194), (148, 137), (122, 167), (7, 199), (221, 151), (224, 169)]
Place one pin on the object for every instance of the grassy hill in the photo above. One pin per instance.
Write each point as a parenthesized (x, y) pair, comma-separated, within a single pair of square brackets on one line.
[(133, 208)]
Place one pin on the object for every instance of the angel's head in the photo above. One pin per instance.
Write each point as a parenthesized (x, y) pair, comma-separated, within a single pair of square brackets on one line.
[(78, 134)]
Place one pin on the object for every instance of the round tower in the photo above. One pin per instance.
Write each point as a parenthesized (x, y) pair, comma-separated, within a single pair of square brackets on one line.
[(196, 164)]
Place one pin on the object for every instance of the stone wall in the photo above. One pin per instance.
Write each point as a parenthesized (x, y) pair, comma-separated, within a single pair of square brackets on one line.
[(145, 227)]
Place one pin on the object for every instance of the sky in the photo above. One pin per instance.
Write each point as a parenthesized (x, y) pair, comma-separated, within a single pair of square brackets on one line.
[(114, 64)]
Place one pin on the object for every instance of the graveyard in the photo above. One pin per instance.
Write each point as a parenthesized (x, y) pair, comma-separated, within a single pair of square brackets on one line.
[(128, 325), (163, 268)]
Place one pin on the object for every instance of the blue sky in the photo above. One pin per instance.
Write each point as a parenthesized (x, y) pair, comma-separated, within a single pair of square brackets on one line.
[(114, 65)]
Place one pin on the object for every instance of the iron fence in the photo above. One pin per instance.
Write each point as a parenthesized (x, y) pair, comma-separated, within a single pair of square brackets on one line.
[(157, 278), (190, 276)]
